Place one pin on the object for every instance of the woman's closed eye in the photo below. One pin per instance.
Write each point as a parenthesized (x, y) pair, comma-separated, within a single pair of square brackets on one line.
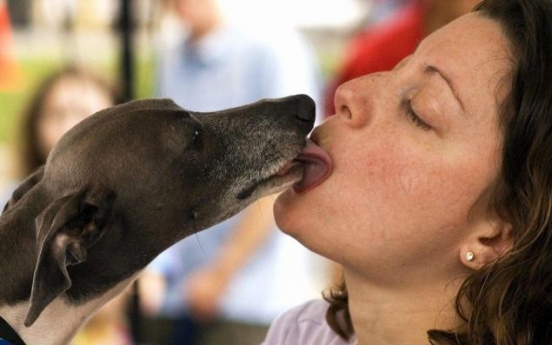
[(413, 116)]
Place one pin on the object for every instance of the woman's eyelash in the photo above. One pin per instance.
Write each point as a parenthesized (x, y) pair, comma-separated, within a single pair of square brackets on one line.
[(413, 117)]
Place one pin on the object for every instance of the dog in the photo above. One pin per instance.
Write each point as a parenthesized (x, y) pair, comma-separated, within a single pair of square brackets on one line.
[(122, 186)]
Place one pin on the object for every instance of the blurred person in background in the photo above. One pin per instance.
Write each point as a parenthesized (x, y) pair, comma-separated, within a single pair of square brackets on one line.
[(226, 284), (381, 46), (62, 100), (383, 9)]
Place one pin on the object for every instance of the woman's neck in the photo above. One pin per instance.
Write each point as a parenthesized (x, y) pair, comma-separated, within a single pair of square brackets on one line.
[(384, 316)]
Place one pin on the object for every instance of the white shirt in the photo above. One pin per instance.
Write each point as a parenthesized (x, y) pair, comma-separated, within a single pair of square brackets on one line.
[(305, 325)]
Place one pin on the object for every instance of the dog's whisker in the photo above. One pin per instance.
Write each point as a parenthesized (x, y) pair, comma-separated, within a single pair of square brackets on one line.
[(197, 236), (200, 245)]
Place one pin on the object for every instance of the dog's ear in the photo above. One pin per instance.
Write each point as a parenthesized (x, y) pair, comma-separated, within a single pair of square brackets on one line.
[(24, 187), (65, 231)]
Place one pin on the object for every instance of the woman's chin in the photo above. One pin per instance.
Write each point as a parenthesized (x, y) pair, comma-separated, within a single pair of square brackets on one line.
[(294, 211), (285, 209)]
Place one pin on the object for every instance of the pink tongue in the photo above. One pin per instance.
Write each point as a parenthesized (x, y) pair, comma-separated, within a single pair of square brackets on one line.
[(318, 166)]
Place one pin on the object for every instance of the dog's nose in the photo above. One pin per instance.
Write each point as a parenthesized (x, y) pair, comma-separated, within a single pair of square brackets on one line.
[(302, 107), (307, 108)]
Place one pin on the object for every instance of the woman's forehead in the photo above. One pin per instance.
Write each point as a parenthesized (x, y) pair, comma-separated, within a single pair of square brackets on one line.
[(474, 51), (473, 36)]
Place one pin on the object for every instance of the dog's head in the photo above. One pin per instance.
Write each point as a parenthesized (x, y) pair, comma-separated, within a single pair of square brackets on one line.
[(131, 180)]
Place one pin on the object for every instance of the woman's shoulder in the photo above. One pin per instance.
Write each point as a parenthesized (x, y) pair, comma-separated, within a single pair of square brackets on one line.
[(305, 324)]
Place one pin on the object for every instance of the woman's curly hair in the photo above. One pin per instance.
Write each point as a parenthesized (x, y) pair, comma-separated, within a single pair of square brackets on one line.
[(509, 302)]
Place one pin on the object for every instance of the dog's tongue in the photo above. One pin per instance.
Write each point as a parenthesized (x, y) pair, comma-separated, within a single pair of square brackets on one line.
[(317, 167)]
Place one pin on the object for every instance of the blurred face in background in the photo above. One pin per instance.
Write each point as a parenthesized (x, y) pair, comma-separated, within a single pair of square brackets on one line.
[(200, 16), (70, 100)]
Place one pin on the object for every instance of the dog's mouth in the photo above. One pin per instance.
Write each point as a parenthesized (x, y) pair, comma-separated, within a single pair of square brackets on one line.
[(289, 173), (306, 171)]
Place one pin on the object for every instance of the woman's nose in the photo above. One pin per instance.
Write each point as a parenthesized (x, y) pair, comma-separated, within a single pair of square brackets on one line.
[(355, 100)]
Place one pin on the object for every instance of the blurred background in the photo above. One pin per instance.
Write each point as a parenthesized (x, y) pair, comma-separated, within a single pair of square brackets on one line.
[(47, 34)]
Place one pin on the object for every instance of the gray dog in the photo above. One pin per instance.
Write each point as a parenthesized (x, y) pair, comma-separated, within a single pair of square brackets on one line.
[(124, 185)]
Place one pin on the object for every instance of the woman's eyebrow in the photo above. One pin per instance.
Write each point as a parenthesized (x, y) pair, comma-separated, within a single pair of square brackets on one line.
[(433, 69)]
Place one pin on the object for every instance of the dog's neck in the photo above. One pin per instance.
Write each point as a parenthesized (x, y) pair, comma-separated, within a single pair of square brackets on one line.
[(18, 257), (57, 326), (60, 321)]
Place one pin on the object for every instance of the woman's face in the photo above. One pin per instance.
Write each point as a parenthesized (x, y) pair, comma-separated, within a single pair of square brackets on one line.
[(69, 101), (413, 151)]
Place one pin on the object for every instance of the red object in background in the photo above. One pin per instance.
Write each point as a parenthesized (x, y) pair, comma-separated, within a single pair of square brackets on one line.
[(378, 48), (9, 69)]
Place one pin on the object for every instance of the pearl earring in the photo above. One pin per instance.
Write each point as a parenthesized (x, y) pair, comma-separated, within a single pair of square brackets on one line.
[(469, 256)]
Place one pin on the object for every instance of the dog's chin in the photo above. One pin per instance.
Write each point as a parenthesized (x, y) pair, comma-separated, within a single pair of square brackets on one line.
[(290, 174), (287, 176)]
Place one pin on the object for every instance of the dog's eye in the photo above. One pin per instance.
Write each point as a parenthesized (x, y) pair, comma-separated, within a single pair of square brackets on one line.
[(196, 136), (192, 133), (195, 139)]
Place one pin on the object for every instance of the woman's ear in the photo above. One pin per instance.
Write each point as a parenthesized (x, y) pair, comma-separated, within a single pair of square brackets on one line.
[(486, 243)]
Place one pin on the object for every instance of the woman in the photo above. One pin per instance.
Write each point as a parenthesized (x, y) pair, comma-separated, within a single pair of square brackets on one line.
[(61, 101), (438, 205)]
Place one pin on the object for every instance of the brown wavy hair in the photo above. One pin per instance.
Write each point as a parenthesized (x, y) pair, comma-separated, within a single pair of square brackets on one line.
[(509, 301), (32, 156)]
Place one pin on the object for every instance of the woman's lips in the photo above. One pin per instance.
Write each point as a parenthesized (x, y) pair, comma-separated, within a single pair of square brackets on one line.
[(317, 167)]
